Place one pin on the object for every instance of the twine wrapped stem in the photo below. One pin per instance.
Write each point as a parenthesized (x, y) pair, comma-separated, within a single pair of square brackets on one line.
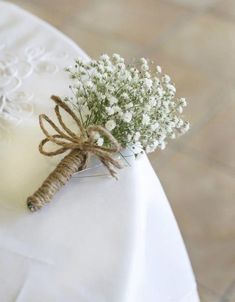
[(80, 147)]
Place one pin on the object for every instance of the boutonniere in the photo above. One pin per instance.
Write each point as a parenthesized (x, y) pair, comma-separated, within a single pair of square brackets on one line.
[(114, 106)]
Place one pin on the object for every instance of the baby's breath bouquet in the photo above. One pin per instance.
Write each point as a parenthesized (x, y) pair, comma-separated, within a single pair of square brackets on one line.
[(136, 103), (115, 106)]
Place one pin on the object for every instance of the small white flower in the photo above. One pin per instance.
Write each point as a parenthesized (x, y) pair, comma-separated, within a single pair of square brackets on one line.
[(78, 85), (104, 57), (162, 145), (143, 61), (120, 113), (105, 76), (129, 105), (180, 123), (101, 69), (137, 136), (149, 149), (183, 102), (125, 96), (180, 109), (110, 110), (159, 69), (162, 137), (165, 104), (117, 58), (85, 111), (129, 78), (89, 84), (82, 70), (148, 83), (147, 75), (137, 148), (186, 126), (121, 66), (146, 119), (159, 104), (109, 69), (110, 125), (100, 141), (110, 88), (116, 108), (171, 88), (80, 100), (166, 78), (144, 67), (160, 91), (113, 100), (168, 129), (141, 99), (129, 137), (96, 136), (148, 107), (100, 96), (154, 126), (157, 81), (156, 143), (152, 101), (97, 76), (127, 116)]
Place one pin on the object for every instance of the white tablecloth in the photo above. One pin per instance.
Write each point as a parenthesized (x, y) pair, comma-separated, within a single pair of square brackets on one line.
[(100, 240)]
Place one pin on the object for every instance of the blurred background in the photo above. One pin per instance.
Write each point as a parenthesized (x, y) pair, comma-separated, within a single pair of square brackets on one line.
[(194, 42)]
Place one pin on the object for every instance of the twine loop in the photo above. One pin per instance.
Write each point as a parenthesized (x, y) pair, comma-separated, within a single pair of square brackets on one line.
[(81, 145)]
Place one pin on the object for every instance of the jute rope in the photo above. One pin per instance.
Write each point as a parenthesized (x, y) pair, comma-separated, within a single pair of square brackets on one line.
[(81, 146)]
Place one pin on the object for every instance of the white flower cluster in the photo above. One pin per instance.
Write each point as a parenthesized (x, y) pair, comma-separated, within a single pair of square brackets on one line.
[(136, 103)]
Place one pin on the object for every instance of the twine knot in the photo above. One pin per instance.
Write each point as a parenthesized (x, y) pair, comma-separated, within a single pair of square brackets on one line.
[(80, 145)]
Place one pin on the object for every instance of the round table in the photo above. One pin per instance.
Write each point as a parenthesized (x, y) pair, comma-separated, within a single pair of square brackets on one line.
[(100, 240)]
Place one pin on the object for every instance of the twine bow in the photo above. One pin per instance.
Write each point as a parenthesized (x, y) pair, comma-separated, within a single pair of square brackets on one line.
[(80, 145)]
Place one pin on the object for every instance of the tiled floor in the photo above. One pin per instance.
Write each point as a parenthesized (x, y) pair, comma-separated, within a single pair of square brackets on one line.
[(194, 41)]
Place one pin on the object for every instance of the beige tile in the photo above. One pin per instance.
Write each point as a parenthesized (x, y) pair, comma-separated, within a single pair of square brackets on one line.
[(226, 7), (95, 43), (203, 193), (195, 3), (229, 294), (202, 198), (207, 42), (213, 264), (57, 13), (206, 295), (41, 12), (159, 158), (56, 6), (216, 139), (136, 21)]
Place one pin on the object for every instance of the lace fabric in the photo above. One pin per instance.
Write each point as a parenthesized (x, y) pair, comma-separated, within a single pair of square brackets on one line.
[(15, 104)]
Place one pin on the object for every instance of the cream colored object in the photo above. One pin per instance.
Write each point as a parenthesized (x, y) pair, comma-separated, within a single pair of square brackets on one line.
[(101, 240)]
